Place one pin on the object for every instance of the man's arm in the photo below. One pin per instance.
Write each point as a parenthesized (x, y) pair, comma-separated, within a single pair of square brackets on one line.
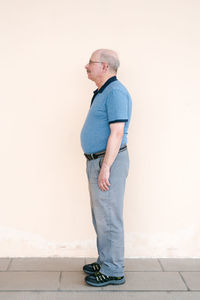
[(112, 149)]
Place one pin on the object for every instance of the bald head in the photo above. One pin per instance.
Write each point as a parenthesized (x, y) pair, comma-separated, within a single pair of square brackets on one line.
[(110, 57)]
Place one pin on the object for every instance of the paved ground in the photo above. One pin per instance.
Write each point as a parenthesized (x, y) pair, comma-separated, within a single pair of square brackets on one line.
[(63, 278)]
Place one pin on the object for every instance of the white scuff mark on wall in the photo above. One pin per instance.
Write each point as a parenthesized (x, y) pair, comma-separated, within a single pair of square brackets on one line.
[(17, 243), (183, 243), (11, 234)]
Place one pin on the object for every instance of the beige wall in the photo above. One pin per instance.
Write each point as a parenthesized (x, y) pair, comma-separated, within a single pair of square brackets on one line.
[(44, 98)]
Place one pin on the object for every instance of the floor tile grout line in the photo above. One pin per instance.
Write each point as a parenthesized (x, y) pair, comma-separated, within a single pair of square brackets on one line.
[(184, 281), (66, 258), (59, 281), (86, 257), (162, 268), (39, 271), (78, 271), (99, 290), (9, 264)]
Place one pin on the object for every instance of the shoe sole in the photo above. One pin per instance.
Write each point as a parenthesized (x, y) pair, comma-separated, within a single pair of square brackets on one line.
[(113, 282)]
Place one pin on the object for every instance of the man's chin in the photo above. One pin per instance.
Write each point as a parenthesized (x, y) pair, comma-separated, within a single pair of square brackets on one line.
[(89, 76)]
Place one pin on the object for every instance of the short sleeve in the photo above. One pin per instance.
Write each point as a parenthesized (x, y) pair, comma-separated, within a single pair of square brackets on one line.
[(117, 106)]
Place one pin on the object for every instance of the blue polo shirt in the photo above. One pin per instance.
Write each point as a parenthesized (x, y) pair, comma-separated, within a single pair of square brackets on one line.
[(110, 104)]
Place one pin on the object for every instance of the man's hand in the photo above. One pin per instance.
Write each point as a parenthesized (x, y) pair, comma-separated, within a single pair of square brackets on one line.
[(103, 179)]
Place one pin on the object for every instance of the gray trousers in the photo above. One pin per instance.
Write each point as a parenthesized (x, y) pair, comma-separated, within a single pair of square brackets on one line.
[(107, 213)]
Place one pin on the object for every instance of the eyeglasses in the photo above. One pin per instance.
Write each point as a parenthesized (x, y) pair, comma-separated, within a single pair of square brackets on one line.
[(94, 62)]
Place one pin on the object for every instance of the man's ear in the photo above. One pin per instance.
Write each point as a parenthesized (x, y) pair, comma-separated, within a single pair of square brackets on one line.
[(105, 66)]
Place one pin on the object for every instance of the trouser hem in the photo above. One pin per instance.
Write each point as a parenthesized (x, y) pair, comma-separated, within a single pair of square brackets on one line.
[(108, 272)]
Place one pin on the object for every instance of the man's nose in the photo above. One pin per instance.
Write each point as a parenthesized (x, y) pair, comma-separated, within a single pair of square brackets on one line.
[(86, 66)]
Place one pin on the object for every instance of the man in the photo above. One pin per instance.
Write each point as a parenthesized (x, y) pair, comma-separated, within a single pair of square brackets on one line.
[(103, 139)]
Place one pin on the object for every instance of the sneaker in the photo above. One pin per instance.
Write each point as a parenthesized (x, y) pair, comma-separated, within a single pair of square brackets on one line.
[(99, 279), (91, 268)]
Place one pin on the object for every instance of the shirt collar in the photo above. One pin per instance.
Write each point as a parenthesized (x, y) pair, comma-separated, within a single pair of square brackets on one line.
[(111, 79)]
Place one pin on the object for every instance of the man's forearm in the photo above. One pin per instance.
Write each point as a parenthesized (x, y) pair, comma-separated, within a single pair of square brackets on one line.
[(112, 149)]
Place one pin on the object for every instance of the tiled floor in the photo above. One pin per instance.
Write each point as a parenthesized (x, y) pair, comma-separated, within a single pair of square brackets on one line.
[(63, 278)]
